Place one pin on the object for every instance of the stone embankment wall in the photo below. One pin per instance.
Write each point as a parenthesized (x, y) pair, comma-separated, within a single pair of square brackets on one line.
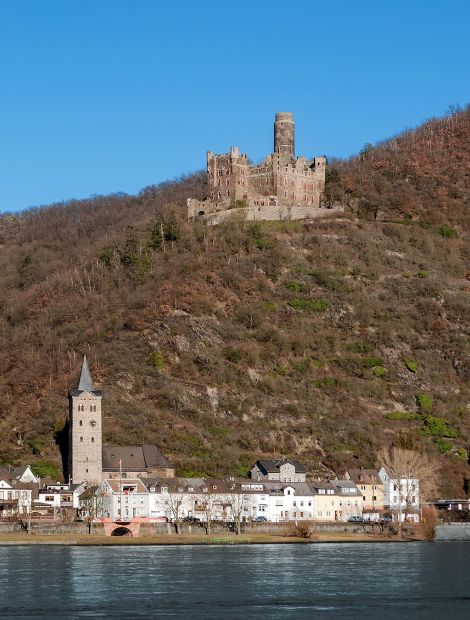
[(453, 531), (154, 529)]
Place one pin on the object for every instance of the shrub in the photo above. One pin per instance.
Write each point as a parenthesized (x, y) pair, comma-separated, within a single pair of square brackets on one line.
[(326, 383), (296, 287), (438, 427), (428, 522), (422, 273), (462, 455), (448, 232), (411, 365), (372, 362), (315, 305), (302, 530), (45, 469), (443, 446), (242, 470), (424, 402), (358, 347), (156, 360), (402, 415), (240, 204), (379, 371), (271, 306), (233, 354)]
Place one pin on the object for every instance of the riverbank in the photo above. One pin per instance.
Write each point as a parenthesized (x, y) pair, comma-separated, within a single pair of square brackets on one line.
[(15, 538)]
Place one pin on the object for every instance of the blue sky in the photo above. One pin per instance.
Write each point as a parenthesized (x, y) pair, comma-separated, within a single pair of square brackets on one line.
[(112, 95)]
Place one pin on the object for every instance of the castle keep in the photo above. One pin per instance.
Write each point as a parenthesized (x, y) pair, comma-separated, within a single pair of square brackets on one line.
[(282, 187)]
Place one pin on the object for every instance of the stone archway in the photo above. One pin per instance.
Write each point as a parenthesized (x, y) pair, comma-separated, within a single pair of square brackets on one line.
[(121, 531)]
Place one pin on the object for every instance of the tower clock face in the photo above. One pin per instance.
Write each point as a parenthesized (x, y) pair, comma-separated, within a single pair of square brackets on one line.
[(92, 422)]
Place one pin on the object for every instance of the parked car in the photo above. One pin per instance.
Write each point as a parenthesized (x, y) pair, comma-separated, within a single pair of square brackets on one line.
[(261, 519), (191, 520), (356, 519)]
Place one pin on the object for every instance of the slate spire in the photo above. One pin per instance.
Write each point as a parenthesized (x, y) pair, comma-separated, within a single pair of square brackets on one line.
[(85, 383)]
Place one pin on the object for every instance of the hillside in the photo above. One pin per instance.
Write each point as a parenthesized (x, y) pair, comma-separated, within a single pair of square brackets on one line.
[(323, 340)]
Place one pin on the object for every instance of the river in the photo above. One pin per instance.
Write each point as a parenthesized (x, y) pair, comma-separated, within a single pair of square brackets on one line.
[(336, 580)]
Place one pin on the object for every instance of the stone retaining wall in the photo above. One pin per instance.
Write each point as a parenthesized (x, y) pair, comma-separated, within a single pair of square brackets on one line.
[(453, 531)]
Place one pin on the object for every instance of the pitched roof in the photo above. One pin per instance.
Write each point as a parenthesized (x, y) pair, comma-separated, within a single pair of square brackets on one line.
[(85, 382), (116, 485), (346, 487), (367, 476), (272, 466), (133, 458)]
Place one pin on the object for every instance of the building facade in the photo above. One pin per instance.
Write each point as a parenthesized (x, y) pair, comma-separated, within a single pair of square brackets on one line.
[(279, 470)]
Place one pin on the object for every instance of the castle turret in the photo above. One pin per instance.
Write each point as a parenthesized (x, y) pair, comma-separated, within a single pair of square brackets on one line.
[(284, 139)]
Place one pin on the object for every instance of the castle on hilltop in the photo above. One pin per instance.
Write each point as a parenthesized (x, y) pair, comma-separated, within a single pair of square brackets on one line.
[(282, 187)]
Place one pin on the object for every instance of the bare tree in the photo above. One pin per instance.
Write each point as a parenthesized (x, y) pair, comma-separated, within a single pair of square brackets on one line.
[(414, 474), (177, 500), (91, 503), (206, 503), (240, 504)]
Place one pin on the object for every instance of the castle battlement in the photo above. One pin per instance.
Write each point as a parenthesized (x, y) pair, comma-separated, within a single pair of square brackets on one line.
[(285, 183)]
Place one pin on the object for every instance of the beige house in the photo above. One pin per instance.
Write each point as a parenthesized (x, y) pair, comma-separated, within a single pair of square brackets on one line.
[(371, 487)]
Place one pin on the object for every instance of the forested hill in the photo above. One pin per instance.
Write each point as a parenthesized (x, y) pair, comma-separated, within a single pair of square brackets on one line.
[(322, 340)]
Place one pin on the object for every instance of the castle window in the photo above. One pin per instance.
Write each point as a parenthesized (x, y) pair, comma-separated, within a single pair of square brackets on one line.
[(285, 181), (80, 423), (86, 470), (91, 407), (81, 439), (92, 440)]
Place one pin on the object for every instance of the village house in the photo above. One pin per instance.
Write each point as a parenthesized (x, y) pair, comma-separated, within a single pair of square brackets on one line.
[(326, 502), (56, 495), (279, 470), (15, 499), (401, 496), (123, 500), (372, 489), (288, 502), (350, 504)]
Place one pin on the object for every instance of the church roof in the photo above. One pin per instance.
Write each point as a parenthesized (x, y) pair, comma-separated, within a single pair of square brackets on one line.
[(85, 382), (133, 458)]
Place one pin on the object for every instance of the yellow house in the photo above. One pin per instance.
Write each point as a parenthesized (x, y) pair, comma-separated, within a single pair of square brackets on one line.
[(371, 487)]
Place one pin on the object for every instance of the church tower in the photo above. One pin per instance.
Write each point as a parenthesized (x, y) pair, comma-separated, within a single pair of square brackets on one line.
[(85, 430)]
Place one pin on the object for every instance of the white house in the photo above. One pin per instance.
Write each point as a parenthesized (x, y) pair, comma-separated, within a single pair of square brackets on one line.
[(401, 496), (14, 500), (123, 499), (289, 502)]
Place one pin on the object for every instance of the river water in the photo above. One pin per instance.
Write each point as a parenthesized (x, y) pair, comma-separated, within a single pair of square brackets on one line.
[(343, 580)]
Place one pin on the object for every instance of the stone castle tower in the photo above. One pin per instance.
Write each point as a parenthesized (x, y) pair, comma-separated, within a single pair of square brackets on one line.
[(284, 137), (85, 430)]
